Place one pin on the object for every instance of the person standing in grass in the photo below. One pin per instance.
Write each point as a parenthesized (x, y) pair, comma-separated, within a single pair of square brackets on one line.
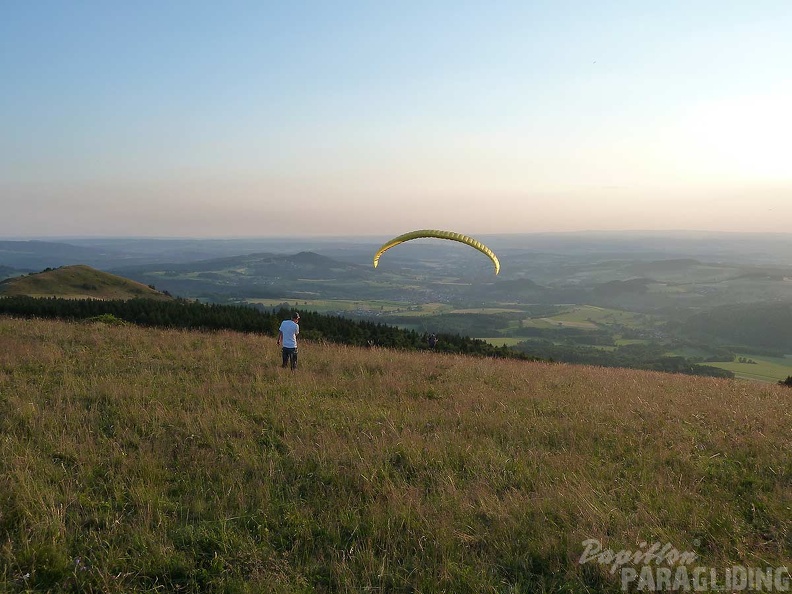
[(287, 338), (432, 341)]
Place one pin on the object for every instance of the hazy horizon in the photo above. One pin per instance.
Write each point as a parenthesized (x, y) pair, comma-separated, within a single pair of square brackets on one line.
[(198, 120), (583, 234)]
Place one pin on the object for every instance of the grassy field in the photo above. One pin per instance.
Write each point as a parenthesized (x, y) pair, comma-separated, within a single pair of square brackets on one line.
[(627, 341), (588, 316), (143, 460), (769, 369)]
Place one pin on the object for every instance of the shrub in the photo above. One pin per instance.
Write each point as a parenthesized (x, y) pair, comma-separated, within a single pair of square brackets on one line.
[(107, 319)]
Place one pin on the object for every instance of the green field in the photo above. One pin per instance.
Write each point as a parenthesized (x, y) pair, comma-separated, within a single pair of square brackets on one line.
[(628, 341), (769, 369), (501, 340), (589, 316), (352, 305), (486, 310)]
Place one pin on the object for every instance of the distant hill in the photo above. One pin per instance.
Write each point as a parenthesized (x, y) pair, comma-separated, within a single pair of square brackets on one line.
[(521, 289), (762, 325), (618, 287), (300, 265), (8, 271), (660, 266), (252, 275), (36, 255), (78, 282)]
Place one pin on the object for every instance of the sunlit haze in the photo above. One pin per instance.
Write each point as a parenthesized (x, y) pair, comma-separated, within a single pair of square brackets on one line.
[(210, 119)]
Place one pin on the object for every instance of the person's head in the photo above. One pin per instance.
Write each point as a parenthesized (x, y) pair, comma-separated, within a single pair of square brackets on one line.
[(296, 317)]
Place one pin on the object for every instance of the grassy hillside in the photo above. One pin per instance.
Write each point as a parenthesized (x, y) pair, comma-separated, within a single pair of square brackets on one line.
[(78, 282), (150, 460)]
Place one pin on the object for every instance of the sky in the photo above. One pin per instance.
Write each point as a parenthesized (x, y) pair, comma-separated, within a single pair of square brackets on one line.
[(248, 119)]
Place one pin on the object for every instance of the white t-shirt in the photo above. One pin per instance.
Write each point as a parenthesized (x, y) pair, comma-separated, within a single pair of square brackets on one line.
[(290, 331)]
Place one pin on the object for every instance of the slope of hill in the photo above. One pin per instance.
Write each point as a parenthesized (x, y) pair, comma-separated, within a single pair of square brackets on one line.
[(150, 460), (78, 282)]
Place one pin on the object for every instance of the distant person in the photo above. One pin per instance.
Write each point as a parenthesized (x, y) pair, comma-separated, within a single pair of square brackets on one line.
[(287, 338), (432, 341)]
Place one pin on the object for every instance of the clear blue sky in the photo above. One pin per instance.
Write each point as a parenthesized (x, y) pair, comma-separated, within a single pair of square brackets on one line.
[(349, 118)]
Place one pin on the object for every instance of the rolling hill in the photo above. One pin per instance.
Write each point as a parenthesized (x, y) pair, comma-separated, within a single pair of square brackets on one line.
[(255, 275), (78, 282), (36, 255), (299, 265)]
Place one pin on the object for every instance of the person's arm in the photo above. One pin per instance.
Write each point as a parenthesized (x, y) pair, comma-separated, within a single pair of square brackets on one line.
[(280, 337)]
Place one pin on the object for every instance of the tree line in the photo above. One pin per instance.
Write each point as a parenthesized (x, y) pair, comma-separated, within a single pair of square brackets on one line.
[(633, 356), (184, 314), (765, 325)]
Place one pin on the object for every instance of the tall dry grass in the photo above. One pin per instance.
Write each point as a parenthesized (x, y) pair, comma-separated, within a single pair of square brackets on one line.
[(152, 460)]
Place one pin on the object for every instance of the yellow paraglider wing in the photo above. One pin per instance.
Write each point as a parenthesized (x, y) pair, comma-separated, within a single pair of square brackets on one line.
[(451, 235)]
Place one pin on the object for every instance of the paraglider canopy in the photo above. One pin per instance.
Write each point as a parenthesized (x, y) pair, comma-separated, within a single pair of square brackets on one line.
[(450, 235)]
